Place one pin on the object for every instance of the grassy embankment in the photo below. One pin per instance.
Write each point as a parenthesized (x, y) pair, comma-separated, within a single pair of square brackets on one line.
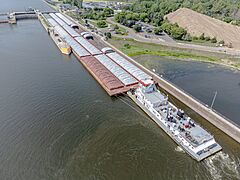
[(123, 1), (198, 42), (134, 48)]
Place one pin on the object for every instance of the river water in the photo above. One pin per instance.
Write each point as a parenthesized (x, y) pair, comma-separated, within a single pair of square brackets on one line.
[(56, 122), (201, 80)]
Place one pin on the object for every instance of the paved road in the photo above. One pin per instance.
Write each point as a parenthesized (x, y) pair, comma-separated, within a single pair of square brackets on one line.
[(140, 37)]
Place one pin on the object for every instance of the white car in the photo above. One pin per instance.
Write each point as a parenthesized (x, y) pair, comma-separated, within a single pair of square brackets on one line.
[(107, 50), (83, 33)]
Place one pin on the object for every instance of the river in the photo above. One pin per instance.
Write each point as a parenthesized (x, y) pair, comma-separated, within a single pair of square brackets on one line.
[(201, 80), (58, 123)]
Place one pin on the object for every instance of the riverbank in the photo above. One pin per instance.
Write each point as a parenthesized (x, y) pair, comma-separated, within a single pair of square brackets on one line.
[(134, 48)]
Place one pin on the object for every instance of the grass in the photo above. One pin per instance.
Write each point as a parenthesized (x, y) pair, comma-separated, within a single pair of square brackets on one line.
[(75, 16), (134, 48), (123, 1), (199, 42), (95, 23), (138, 48), (120, 29)]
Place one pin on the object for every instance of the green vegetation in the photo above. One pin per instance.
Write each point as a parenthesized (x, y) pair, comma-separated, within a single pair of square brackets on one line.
[(74, 15), (102, 24), (202, 39), (98, 13), (77, 3), (108, 35), (133, 48), (128, 19), (158, 30), (174, 30), (154, 10), (137, 28), (214, 40), (138, 50), (119, 30)]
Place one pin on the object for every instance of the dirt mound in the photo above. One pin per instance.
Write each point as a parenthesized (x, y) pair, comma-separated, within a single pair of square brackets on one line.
[(196, 24)]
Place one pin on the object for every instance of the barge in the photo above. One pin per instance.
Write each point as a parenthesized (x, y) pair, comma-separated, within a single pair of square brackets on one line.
[(118, 75), (61, 43)]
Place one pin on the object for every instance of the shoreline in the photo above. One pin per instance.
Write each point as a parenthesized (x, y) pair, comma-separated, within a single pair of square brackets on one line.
[(216, 61), (226, 66)]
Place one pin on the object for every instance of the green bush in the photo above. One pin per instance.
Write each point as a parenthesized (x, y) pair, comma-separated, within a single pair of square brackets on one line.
[(137, 28), (187, 37), (221, 42), (128, 46), (202, 37), (108, 35), (115, 27), (214, 40), (195, 38), (207, 38), (174, 30), (158, 30), (101, 24)]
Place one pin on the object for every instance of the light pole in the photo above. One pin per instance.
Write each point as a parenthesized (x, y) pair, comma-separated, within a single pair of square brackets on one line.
[(214, 98)]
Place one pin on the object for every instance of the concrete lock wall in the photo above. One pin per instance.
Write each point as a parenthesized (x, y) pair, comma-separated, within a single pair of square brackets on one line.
[(218, 120)]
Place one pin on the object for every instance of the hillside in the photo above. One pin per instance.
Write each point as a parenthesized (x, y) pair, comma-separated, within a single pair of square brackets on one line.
[(196, 24)]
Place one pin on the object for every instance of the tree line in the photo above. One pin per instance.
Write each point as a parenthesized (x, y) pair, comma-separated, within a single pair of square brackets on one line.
[(227, 10), (153, 12)]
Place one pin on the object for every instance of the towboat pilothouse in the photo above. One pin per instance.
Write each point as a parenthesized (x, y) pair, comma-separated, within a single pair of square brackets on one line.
[(196, 141)]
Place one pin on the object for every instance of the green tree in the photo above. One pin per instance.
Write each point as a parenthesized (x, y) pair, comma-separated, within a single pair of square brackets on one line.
[(143, 16), (166, 27), (187, 37), (207, 38), (115, 27), (128, 46), (158, 30), (137, 28), (102, 24), (108, 35), (77, 3), (221, 42), (202, 37), (178, 32), (214, 40), (120, 17), (108, 12)]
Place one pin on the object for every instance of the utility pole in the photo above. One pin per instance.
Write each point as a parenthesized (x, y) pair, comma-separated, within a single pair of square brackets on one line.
[(214, 98)]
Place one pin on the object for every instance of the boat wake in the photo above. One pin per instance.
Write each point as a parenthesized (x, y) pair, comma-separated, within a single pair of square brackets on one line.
[(179, 149), (221, 166)]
